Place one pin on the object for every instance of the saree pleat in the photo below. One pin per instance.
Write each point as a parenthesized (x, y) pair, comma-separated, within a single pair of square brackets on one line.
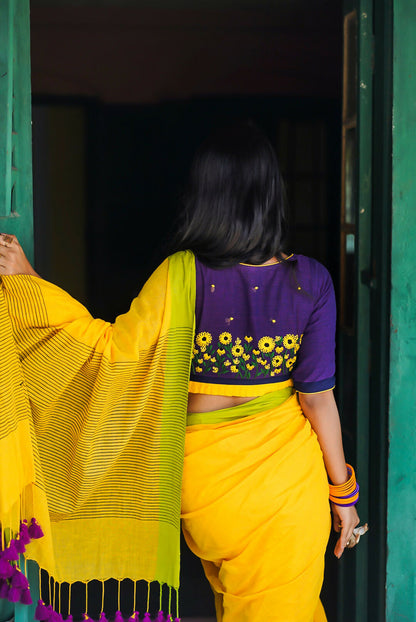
[(255, 510)]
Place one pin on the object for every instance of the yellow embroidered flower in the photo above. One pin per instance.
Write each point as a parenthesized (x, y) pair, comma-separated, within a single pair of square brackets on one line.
[(277, 338), (207, 357), (234, 369), (203, 339), (250, 367), (296, 348), (236, 361), (220, 352), (256, 352), (277, 361), (286, 356), (213, 360), (237, 350), (266, 344), (277, 371), (225, 338), (227, 363), (272, 373), (215, 370), (237, 341), (248, 339), (200, 361), (279, 349), (267, 366), (259, 360), (246, 357), (195, 351), (289, 341), (290, 362), (198, 369)]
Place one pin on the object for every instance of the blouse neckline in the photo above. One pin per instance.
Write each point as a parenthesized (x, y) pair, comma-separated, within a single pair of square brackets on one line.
[(267, 265)]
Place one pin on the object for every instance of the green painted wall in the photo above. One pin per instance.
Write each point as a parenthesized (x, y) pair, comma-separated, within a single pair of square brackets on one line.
[(401, 519)]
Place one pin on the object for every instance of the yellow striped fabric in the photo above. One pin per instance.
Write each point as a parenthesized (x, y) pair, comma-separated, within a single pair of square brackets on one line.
[(95, 423)]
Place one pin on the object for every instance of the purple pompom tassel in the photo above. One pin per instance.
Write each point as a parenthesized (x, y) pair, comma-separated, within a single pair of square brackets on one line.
[(26, 598), (24, 532), (10, 554), (4, 588), (20, 546), (18, 580), (134, 617), (6, 569), (118, 617), (103, 617), (14, 595), (69, 618), (41, 613), (160, 616), (35, 530)]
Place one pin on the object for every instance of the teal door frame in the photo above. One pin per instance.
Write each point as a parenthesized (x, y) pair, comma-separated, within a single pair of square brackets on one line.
[(401, 498), (362, 574)]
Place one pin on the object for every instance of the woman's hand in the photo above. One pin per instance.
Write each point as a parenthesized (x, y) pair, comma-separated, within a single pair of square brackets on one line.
[(344, 520), (12, 258)]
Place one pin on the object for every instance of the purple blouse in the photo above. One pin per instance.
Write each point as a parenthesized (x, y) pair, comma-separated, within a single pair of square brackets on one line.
[(265, 324)]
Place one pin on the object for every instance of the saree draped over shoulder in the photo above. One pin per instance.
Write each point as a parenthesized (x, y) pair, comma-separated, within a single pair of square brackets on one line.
[(94, 444), (92, 426), (255, 509)]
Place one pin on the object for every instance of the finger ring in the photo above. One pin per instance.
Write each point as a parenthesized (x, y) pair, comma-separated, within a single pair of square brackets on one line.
[(356, 535), (7, 238)]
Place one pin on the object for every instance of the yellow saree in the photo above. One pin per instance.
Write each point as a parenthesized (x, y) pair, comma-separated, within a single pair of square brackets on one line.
[(92, 427), (92, 444), (255, 509)]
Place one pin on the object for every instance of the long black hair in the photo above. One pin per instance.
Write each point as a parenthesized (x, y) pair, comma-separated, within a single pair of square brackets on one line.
[(234, 207)]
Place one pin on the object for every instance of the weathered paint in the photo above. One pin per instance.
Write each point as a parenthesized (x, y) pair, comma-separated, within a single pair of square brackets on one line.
[(401, 511), (15, 122)]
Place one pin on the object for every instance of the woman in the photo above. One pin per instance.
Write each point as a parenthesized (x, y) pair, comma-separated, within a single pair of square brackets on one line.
[(263, 433)]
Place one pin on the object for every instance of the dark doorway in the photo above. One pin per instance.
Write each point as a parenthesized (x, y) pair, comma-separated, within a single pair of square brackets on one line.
[(136, 156)]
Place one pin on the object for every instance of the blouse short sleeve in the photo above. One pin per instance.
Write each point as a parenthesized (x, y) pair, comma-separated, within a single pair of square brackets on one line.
[(315, 366)]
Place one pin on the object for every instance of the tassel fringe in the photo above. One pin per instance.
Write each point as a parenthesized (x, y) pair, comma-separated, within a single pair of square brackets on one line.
[(15, 588)]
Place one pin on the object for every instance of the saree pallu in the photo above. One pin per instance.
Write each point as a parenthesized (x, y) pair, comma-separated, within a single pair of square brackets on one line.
[(92, 427), (255, 509)]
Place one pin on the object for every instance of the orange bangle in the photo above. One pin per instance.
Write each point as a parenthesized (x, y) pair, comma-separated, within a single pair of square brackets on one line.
[(341, 490)]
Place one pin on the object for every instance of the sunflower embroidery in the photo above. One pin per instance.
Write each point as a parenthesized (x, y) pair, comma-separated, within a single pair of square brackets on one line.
[(225, 338), (289, 341), (237, 350), (266, 344), (266, 358), (203, 339)]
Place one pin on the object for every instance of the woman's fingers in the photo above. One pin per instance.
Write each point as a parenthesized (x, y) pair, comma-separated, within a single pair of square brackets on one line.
[(345, 519), (7, 239), (12, 258)]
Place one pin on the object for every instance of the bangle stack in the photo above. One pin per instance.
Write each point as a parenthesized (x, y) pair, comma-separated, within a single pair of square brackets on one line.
[(345, 494)]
